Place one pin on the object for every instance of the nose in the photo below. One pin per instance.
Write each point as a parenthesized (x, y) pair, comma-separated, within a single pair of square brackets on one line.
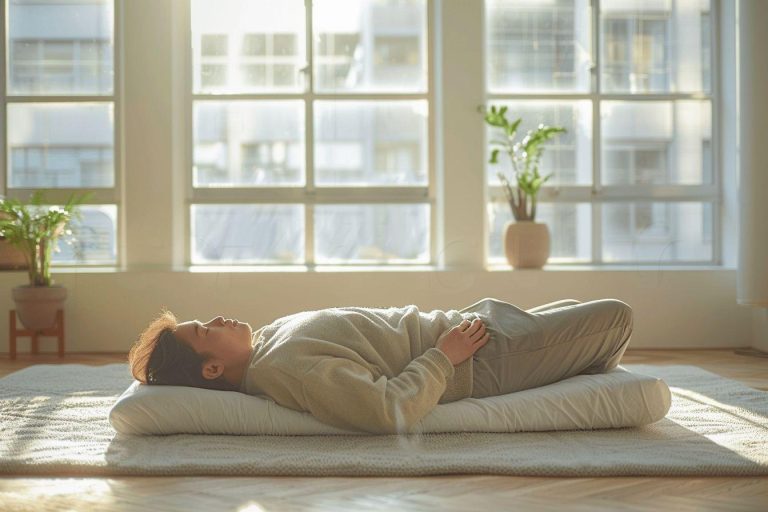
[(216, 320)]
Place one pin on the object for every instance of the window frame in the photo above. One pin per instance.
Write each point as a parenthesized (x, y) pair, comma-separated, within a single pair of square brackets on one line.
[(101, 196), (310, 196), (598, 194)]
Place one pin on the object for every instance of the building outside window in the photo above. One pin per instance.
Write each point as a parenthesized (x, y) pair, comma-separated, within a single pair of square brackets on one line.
[(59, 99), (631, 182), (311, 126), (310, 132)]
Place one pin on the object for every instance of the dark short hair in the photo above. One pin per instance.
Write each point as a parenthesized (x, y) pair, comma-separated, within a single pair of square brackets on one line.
[(174, 363)]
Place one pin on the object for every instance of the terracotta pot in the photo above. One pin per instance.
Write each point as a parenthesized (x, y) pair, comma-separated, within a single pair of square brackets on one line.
[(11, 258), (37, 305), (526, 244)]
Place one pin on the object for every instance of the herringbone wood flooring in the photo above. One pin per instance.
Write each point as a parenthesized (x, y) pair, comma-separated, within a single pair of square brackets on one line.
[(444, 493)]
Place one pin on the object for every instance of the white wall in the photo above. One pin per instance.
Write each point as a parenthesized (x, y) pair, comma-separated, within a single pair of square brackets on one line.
[(674, 308)]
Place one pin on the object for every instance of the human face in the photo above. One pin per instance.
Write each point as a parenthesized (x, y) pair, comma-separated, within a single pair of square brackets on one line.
[(223, 338)]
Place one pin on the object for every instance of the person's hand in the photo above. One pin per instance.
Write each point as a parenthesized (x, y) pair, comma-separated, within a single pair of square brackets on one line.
[(460, 342)]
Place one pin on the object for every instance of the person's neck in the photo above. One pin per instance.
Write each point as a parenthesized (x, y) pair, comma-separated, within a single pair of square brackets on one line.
[(234, 373)]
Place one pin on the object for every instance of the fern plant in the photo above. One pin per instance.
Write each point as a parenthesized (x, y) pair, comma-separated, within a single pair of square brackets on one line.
[(525, 156), (35, 231)]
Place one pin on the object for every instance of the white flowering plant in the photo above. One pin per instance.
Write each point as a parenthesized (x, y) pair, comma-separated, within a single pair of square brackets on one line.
[(35, 230)]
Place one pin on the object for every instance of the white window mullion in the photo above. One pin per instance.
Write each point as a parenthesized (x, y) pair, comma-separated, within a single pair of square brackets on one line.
[(596, 210), (117, 146), (148, 51), (62, 99), (431, 135), (596, 188), (716, 140), (462, 86), (309, 140)]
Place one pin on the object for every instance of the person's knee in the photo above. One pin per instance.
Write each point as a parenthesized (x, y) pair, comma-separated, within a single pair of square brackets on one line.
[(622, 311), (554, 305)]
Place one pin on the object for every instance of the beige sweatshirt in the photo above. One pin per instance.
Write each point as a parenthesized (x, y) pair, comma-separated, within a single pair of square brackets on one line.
[(370, 369)]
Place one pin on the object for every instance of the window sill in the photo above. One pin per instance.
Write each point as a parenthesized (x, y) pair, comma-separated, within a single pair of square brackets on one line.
[(330, 269), (636, 267)]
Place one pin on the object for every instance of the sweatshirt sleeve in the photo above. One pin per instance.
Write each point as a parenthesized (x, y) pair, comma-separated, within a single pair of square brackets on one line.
[(342, 393)]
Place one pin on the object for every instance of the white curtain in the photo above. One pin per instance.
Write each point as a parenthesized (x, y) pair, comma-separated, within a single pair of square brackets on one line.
[(753, 127)]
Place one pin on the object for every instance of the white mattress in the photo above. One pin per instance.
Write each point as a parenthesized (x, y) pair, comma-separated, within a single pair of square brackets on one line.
[(619, 398)]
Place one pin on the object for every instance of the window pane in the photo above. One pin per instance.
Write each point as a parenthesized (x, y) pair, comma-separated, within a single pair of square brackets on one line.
[(656, 142), (371, 143), (570, 230), (94, 237), (538, 46), (363, 233), (370, 45), (58, 145), (657, 232), (244, 46), (214, 45), (640, 42), (248, 143), (568, 156), (247, 233), (60, 47)]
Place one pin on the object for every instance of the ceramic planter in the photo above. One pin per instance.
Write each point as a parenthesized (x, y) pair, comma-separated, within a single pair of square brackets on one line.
[(37, 305), (526, 244)]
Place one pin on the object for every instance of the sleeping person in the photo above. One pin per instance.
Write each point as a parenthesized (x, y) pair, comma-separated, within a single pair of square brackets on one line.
[(381, 370)]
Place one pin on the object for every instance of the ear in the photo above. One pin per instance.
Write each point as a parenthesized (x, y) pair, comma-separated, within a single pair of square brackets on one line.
[(212, 369)]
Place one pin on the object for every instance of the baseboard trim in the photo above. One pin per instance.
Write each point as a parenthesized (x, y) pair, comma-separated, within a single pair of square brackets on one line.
[(750, 352)]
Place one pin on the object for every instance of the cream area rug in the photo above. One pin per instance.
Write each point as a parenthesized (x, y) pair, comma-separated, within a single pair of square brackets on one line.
[(53, 421)]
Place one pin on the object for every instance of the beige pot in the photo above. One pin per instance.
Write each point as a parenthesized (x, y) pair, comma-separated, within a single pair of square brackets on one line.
[(11, 258), (526, 244), (37, 305)]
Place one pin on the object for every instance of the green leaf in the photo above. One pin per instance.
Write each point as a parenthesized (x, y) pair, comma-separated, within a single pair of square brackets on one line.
[(512, 129)]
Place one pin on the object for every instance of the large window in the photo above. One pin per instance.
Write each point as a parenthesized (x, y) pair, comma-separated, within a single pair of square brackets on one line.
[(59, 115), (310, 132), (633, 179)]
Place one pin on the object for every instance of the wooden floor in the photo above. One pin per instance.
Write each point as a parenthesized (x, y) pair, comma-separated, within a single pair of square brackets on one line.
[(444, 493)]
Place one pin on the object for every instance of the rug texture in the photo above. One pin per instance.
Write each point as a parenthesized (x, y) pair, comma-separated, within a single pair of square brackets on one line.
[(53, 421)]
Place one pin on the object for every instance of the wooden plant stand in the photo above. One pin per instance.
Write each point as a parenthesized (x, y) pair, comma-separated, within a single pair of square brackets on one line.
[(57, 331)]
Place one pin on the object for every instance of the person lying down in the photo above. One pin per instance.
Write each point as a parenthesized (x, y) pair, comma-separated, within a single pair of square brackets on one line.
[(381, 370)]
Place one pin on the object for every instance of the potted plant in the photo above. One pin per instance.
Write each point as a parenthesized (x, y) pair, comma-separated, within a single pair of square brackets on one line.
[(526, 242), (35, 231)]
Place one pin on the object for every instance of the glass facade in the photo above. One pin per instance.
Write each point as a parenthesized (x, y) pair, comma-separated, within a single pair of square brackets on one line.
[(253, 49), (654, 47), (64, 49)]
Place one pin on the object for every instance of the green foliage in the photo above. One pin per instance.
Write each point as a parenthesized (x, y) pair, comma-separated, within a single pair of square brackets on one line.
[(34, 230), (524, 155)]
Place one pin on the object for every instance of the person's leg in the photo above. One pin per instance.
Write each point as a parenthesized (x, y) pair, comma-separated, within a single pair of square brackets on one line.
[(553, 305), (528, 350)]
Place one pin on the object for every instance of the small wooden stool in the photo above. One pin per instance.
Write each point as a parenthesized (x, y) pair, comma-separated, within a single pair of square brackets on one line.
[(57, 330)]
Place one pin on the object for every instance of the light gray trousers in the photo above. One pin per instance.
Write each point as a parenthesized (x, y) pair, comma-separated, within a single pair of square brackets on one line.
[(548, 343)]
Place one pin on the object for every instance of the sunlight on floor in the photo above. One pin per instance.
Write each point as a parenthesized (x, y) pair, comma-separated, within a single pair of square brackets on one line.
[(729, 432), (63, 492), (251, 507)]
